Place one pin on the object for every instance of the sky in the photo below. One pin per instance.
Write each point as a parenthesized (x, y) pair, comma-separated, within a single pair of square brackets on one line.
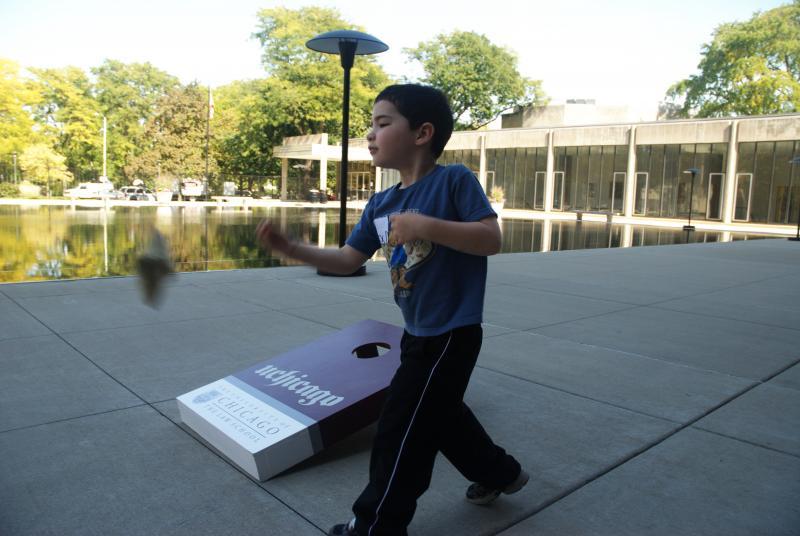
[(618, 52)]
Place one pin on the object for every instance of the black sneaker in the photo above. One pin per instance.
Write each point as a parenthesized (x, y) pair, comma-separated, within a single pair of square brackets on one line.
[(478, 494), (344, 529)]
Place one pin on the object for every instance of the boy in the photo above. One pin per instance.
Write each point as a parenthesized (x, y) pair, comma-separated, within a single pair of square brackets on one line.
[(436, 228)]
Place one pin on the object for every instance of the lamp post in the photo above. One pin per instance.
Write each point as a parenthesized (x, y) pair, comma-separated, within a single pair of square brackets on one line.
[(346, 43), (694, 172), (105, 130), (793, 162)]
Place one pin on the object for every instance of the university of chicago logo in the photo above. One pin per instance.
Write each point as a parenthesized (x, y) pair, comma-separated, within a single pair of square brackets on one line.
[(205, 397)]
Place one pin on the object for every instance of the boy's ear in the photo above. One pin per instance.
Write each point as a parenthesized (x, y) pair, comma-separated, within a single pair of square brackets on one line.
[(424, 133)]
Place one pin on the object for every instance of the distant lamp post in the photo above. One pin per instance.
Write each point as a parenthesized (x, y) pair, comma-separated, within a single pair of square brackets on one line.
[(694, 172), (346, 43), (104, 178), (793, 162)]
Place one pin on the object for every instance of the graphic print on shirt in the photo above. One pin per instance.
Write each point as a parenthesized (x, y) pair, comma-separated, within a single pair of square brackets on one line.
[(403, 259)]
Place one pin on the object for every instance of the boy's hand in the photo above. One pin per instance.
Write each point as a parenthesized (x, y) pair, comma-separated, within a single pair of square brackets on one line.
[(408, 226), (268, 238)]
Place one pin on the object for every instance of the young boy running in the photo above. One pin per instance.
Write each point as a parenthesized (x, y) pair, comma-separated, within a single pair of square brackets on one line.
[(436, 228)]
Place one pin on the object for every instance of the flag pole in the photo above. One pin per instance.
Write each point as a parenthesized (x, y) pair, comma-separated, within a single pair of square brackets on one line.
[(208, 128)]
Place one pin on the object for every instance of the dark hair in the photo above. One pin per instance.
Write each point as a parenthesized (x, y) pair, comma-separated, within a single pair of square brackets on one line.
[(422, 104)]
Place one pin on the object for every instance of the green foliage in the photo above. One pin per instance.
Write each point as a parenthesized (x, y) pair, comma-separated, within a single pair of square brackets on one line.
[(8, 189), (497, 194), (480, 78), (45, 167), (127, 95), (16, 96), (71, 117), (305, 87), (175, 137), (750, 68), (248, 123)]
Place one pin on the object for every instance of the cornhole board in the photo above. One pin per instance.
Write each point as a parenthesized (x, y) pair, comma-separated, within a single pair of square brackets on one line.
[(275, 414)]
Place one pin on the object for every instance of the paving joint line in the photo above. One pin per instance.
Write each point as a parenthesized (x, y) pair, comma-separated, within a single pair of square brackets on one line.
[(75, 418), (626, 353), (717, 317), (648, 447), (237, 469), (747, 442), (578, 395)]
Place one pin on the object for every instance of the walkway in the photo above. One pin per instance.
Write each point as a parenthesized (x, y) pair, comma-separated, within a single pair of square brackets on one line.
[(649, 390)]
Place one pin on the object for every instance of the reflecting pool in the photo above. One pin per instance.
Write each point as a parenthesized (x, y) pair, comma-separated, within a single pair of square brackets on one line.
[(61, 242)]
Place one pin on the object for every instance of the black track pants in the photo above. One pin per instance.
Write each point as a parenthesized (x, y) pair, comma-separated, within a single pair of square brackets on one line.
[(424, 413)]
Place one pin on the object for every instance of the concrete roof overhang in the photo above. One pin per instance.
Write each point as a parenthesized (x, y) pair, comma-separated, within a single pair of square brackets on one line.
[(319, 151)]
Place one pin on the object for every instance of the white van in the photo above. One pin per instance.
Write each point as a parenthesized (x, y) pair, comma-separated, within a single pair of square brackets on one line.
[(193, 189), (91, 190)]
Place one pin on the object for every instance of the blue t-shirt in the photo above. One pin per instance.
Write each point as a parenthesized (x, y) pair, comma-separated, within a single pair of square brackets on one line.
[(436, 287)]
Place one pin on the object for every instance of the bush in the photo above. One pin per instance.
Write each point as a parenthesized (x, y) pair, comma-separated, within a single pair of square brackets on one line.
[(497, 194), (9, 190)]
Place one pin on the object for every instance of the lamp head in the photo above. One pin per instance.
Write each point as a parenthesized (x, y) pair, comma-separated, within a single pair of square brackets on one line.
[(328, 42)]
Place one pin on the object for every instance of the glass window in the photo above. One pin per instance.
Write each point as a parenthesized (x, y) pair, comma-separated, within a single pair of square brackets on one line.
[(794, 180), (521, 178), (621, 158), (577, 182), (718, 158), (745, 158), (781, 183), (528, 178), (607, 177), (655, 180), (593, 174), (761, 209), (474, 158), (742, 196), (570, 179), (491, 168), (668, 184), (503, 169), (643, 158)]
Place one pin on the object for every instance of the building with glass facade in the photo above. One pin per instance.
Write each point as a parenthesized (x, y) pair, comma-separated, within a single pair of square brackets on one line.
[(743, 169)]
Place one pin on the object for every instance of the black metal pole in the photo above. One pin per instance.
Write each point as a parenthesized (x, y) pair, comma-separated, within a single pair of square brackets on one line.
[(690, 227), (208, 131), (691, 198), (793, 163), (347, 53)]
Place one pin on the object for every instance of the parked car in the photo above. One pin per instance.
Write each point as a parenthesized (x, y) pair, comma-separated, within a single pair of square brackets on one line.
[(247, 193), (315, 196), (138, 193)]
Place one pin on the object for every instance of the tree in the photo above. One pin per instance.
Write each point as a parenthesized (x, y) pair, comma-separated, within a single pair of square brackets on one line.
[(305, 87), (16, 98), (246, 125), (43, 166), (175, 137), (480, 79), (127, 95), (750, 68), (71, 116)]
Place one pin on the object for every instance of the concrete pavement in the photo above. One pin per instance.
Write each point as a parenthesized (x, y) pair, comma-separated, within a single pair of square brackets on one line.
[(649, 390)]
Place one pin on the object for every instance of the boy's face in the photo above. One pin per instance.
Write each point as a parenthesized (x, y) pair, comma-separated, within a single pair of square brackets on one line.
[(391, 139)]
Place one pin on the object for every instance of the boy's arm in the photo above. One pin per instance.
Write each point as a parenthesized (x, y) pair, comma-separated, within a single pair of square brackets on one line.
[(474, 237), (344, 260)]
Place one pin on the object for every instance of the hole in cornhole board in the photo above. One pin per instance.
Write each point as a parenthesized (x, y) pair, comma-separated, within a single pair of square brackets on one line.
[(371, 349)]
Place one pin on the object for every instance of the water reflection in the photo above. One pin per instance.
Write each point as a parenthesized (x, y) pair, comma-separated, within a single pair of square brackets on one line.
[(51, 242)]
